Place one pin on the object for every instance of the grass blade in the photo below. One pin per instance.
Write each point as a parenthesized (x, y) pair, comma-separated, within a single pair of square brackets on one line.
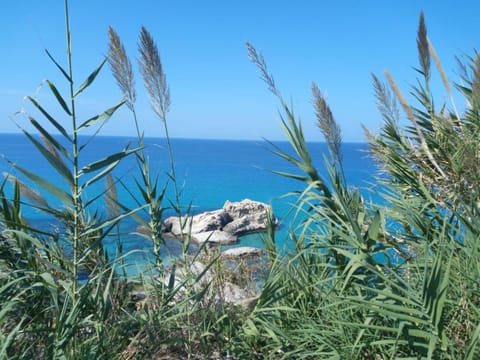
[(97, 165), (62, 70), (49, 137), (50, 118), (57, 165), (59, 97), (103, 116), (90, 78), (60, 194)]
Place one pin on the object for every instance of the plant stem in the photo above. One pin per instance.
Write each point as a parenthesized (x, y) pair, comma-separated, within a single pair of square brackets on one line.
[(76, 193), (155, 221)]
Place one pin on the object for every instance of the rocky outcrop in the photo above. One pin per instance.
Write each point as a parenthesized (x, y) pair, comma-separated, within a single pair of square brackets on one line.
[(224, 291), (207, 221), (222, 226), (241, 252), (216, 237), (247, 216)]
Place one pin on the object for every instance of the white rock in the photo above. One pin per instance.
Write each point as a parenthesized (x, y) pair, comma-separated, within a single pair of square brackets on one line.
[(207, 221), (217, 237), (247, 216), (233, 294), (228, 293), (241, 252), (221, 226)]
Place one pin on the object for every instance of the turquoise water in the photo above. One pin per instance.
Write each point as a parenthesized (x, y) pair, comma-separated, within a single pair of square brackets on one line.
[(209, 172)]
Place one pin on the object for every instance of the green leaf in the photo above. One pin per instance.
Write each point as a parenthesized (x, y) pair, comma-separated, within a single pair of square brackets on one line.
[(103, 116), (12, 334), (59, 97), (97, 165), (57, 165), (50, 118), (398, 312), (171, 280), (50, 138), (107, 292), (58, 66), (99, 175), (141, 188), (373, 230), (60, 194), (31, 239), (112, 222), (473, 344), (90, 78), (291, 176)]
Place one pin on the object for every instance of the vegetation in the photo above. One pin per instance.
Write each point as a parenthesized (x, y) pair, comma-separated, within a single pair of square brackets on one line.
[(397, 280)]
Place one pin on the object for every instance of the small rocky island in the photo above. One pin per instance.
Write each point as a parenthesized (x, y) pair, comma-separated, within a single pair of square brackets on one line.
[(222, 226)]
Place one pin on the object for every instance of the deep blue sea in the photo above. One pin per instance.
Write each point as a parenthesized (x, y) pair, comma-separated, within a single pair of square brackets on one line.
[(209, 173)]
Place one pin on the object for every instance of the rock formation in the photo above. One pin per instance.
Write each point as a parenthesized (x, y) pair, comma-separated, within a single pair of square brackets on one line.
[(241, 252), (222, 226)]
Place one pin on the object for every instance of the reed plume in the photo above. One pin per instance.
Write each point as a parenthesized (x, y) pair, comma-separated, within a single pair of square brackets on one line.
[(423, 47), (386, 102), (476, 79), (258, 59), (445, 81), (153, 75), (121, 67), (327, 123)]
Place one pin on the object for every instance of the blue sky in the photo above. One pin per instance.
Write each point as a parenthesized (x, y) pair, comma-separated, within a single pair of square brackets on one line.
[(216, 91)]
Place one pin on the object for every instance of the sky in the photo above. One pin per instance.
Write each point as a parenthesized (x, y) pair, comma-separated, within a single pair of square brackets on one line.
[(216, 92)]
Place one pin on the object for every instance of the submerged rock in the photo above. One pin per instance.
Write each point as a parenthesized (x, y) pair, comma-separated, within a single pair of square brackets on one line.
[(221, 226)]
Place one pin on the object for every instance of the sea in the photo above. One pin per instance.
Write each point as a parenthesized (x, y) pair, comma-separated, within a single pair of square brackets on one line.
[(208, 172)]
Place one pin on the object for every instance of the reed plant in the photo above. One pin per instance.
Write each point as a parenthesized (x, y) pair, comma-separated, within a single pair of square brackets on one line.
[(187, 290), (60, 290), (396, 280)]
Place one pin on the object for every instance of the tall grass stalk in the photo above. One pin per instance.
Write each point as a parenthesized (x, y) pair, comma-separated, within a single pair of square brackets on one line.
[(190, 286), (63, 314), (122, 70)]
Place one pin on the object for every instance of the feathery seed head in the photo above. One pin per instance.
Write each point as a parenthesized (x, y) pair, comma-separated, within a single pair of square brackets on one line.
[(258, 59), (153, 75), (327, 123), (423, 47), (121, 67), (386, 102), (476, 80)]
